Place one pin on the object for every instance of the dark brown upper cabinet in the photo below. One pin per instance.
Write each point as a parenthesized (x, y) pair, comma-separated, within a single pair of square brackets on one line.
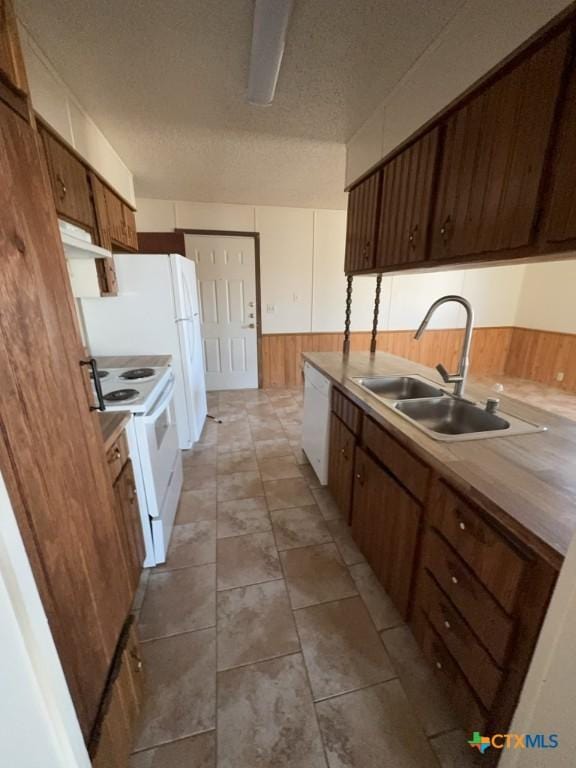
[(362, 224), (69, 180), (407, 188), (559, 229), (494, 155)]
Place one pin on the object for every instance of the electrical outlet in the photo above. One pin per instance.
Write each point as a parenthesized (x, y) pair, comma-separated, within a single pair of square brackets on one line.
[(560, 376), (270, 309)]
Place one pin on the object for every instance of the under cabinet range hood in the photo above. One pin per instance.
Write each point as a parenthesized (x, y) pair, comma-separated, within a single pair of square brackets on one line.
[(81, 255), (78, 243)]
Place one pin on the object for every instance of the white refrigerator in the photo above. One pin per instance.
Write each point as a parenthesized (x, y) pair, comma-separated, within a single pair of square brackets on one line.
[(155, 313)]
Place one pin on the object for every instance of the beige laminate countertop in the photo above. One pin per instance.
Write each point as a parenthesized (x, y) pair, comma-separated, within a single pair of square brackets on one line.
[(112, 424), (134, 361), (528, 481)]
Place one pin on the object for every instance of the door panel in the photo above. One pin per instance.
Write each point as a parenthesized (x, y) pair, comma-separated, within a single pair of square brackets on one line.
[(341, 465), (226, 273), (494, 153), (385, 525), (362, 224), (560, 224), (407, 186), (69, 178), (51, 451)]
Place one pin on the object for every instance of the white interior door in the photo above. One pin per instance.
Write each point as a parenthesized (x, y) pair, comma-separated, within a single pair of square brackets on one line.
[(226, 273)]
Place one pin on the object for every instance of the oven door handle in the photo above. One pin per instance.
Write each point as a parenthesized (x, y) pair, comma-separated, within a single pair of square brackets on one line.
[(93, 365), (162, 403)]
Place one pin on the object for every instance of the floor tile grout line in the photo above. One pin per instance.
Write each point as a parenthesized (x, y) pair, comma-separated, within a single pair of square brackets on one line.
[(177, 634), (367, 687), (275, 657), (172, 741)]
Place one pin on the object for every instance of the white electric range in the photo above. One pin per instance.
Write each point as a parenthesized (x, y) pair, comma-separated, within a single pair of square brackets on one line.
[(153, 441)]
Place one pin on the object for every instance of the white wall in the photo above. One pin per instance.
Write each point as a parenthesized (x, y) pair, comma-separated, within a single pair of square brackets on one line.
[(303, 283), (54, 101), (548, 300), (38, 724), (481, 34)]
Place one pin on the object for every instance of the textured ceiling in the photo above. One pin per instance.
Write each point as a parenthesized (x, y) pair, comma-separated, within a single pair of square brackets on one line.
[(166, 83)]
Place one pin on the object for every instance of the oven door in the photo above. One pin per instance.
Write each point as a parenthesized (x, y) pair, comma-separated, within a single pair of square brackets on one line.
[(158, 445)]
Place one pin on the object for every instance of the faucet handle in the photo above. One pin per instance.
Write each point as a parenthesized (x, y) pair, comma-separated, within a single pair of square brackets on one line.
[(443, 372)]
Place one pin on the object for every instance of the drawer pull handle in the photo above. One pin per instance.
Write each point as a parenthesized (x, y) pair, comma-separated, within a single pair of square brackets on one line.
[(438, 665), (447, 625), (454, 579)]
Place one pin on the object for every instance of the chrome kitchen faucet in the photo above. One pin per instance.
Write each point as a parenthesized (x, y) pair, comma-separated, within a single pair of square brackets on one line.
[(459, 378)]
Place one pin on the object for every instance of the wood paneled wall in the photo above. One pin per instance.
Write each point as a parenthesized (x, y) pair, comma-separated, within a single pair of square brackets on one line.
[(282, 363), (541, 355)]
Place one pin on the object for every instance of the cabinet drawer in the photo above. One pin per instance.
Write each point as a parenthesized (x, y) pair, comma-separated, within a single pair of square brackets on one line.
[(489, 622), (470, 712), (346, 411), (410, 471), (476, 664), (117, 456), (496, 562)]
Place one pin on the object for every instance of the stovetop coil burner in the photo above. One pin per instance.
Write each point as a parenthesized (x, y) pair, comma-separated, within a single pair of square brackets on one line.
[(137, 373), (121, 395)]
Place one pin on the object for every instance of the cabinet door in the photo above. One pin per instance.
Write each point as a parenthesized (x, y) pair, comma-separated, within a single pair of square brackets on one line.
[(362, 224), (116, 223), (51, 450), (341, 466), (407, 187), (124, 702), (131, 236), (12, 70), (101, 210), (494, 153), (560, 221), (69, 179), (385, 525), (130, 524)]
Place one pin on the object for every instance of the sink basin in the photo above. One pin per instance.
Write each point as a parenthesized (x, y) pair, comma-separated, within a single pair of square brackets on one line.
[(449, 416), (399, 387)]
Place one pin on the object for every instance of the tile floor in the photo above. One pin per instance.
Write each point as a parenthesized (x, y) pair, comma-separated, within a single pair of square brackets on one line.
[(268, 642)]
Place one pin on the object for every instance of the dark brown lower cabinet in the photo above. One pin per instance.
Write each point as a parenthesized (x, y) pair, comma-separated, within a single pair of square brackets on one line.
[(385, 524), (121, 706), (129, 523), (475, 592), (341, 466)]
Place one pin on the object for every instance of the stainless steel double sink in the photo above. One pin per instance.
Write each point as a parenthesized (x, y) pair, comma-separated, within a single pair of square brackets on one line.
[(438, 413)]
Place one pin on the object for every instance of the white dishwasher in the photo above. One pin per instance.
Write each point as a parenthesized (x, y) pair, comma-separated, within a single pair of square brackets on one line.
[(316, 421)]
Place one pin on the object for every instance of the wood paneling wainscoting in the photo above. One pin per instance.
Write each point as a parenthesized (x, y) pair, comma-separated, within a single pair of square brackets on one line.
[(281, 353), (540, 355)]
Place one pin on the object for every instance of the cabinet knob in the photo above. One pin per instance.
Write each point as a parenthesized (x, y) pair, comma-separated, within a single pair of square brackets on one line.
[(412, 235), (438, 665), (446, 229), (454, 579), (447, 624), (62, 187), (117, 453), (462, 525)]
